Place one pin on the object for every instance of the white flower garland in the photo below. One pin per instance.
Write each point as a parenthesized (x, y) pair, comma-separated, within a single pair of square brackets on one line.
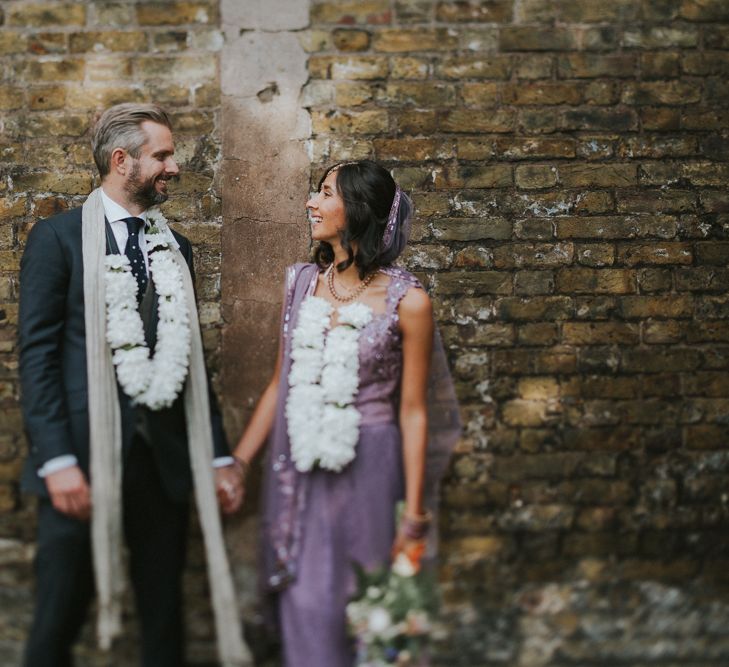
[(323, 425), (154, 381)]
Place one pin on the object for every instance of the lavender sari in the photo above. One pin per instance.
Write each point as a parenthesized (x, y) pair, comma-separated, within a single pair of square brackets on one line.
[(316, 524)]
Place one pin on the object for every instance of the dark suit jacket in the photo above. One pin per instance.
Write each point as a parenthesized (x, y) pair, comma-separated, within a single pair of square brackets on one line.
[(53, 365)]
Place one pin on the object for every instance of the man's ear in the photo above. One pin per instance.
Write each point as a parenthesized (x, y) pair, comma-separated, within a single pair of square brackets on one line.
[(119, 162)]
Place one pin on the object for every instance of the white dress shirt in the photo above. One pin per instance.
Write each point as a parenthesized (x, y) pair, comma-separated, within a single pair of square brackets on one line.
[(115, 214)]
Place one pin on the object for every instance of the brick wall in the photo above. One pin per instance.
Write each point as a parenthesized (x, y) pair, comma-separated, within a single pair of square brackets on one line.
[(60, 62), (567, 160), (568, 164)]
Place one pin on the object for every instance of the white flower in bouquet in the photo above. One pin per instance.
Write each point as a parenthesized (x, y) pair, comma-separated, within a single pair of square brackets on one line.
[(417, 622), (403, 566), (374, 592), (379, 621)]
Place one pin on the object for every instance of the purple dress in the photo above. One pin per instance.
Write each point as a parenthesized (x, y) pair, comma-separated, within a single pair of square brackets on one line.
[(316, 524)]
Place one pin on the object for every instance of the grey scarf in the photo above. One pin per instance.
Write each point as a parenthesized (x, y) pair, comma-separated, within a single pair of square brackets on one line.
[(106, 459)]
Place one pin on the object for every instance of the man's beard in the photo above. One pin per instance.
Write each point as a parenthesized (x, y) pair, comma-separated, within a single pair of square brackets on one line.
[(143, 193)]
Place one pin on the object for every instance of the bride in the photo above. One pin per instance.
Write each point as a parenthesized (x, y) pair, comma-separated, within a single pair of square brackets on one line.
[(359, 414)]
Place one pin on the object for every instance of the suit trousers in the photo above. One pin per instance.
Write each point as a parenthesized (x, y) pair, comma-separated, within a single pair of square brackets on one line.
[(155, 529)]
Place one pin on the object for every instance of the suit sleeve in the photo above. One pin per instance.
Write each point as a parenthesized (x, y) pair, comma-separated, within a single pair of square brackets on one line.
[(220, 445), (44, 280)]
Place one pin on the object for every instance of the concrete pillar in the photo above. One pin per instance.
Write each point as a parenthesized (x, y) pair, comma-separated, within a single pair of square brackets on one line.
[(265, 180)]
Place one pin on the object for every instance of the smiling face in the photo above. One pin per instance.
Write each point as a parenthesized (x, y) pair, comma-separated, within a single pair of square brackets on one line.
[(326, 211), (146, 183)]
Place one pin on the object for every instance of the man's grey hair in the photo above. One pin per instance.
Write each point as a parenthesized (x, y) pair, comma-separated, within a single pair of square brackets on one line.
[(120, 126)]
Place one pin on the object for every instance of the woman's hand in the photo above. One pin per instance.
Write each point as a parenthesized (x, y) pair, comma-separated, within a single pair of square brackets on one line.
[(230, 485)]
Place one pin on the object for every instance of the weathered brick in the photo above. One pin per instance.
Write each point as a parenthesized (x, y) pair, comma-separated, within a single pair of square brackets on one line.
[(596, 281), (474, 282), (33, 71), (482, 95), (409, 67), (349, 12), (661, 37), (471, 229), (12, 42), (493, 176), (470, 121), (46, 14), (660, 65), (591, 65), (469, 11), (392, 40), (704, 10), (662, 332), (544, 255), (660, 360), (46, 43), (178, 68), (611, 120), (418, 94), (351, 40), (595, 254), (543, 93), (535, 176), (536, 38), (660, 118), (537, 308), (10, 98), (655, 253), (660, 92), (176, 13), (81, 42), (34, 125), (474, 67), (600, 175), (47, 97), (616, 227), (533, 66), (534, 147), (71, 184), (600, 333), (529, 283), (659, 146), (355, 122), (169, 41)]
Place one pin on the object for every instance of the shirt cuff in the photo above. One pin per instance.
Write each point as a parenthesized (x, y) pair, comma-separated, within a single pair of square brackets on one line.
[(57, 463), (222, 461)]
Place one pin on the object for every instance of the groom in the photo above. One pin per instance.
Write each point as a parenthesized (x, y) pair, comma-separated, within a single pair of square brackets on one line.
[(133, 150)]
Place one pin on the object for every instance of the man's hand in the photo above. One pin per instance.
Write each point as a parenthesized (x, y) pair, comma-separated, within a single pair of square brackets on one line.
[(229, 487), (70, 493)]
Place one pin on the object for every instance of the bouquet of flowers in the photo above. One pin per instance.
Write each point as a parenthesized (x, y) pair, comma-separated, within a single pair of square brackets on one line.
[(392, 613)]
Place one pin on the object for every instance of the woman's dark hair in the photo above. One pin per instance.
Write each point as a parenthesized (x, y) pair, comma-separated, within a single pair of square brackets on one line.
[(368, 191)]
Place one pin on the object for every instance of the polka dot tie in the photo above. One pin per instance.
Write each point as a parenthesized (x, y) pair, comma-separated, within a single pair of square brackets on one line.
[(134, 253)]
